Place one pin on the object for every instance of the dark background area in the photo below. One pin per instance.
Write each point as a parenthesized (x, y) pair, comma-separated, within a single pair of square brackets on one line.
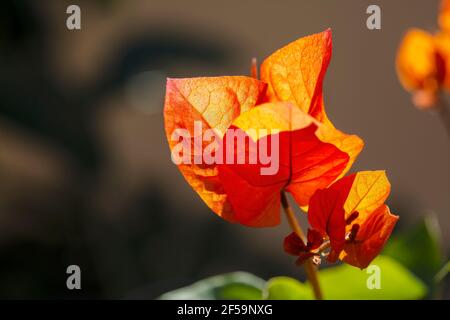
[(85, 170)]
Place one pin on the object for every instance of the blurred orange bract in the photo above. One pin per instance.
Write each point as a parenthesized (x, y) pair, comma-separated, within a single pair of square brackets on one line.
[(423, 61)]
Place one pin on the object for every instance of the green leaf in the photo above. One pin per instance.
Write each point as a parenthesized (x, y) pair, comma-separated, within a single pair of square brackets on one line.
[(340, 282), (239, 291), (419, 249), (347, 282), (285, 288), (442, 273), (230, 286)]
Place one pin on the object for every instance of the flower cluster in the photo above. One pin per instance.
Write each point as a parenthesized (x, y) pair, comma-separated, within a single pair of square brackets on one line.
[(423, 61), (347, 214)]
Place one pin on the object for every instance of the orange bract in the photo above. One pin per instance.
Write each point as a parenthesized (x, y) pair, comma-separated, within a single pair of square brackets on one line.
[(373, 233), (216, 102), (418, 63), (295, 73), (444, 16)]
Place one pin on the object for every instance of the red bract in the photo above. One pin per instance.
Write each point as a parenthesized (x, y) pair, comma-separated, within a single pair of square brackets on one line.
[(296, 247)]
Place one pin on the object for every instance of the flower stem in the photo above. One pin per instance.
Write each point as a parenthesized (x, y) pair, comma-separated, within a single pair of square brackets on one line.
[(444, 115), (310, 268)]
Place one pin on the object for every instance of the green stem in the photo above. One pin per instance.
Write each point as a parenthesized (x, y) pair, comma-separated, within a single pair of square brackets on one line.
[(310, 268)]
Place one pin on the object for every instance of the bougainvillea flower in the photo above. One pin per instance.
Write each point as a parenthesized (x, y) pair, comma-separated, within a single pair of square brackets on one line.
[(352, 217), (423, 61), (420, 66), (312, 153)]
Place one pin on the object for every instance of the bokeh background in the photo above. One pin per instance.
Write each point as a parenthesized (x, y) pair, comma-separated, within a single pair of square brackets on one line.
[(85, 170)]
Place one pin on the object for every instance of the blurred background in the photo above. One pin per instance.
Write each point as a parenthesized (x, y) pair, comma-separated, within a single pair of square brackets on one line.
[(85, 170)]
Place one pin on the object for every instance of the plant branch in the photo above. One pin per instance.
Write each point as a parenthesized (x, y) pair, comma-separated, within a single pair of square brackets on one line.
[(310, 268), (443, 113)]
